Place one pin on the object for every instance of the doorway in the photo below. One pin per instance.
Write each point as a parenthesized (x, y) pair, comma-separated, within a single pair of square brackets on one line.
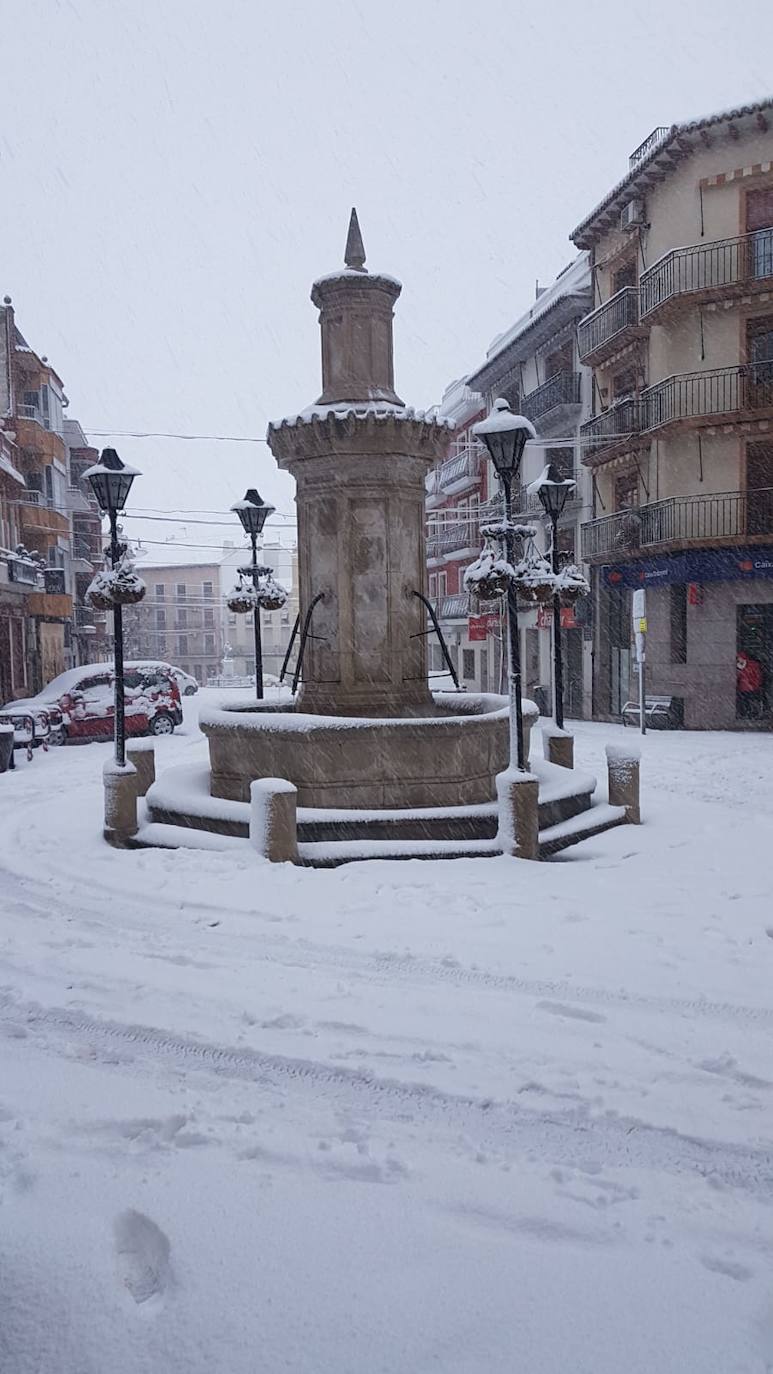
[(754, 646), (619, 649)]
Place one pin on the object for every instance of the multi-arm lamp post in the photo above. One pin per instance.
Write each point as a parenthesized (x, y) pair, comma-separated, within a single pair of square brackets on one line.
[(111, 482), (505, 436), (253, 513), (554, 493)]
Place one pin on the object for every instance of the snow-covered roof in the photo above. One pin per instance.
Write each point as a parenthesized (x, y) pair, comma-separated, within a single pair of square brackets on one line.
[(568, 296), (665, 153)]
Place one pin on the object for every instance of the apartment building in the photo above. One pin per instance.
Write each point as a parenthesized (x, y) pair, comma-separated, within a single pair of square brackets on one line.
[(37, 510), (455, 492), (680, 446), (276, 626), (18, 575), (179, 620), (535, 365), (91, 632)]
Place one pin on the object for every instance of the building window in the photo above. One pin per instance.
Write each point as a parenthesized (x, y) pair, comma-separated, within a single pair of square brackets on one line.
[(209, 615), (563, 463), (181, 591), (198, 672), (182, 617), (433, 584), (209, 644), (442, 584), (161, 619), (206, 589), (160, 591), (566, 543), (468, 664), (182, 645), (678, 623), (231, 617)]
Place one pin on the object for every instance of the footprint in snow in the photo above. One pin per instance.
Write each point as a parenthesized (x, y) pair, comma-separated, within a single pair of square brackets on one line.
[(142, 1251), (575, 1013)]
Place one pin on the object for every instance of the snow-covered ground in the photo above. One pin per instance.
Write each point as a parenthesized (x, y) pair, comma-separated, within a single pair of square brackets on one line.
[(399, 1117)]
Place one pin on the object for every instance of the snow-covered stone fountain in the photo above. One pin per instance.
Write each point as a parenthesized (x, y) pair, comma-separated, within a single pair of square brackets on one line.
[(378, 763)]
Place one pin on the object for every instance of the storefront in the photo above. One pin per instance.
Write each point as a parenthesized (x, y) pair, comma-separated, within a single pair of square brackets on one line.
[(709, 635)]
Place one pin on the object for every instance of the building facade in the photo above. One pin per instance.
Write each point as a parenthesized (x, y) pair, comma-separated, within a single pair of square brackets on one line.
[(535, 365), (37, 515), (91, 632), (456, 490), (680, 446), (179, 620)]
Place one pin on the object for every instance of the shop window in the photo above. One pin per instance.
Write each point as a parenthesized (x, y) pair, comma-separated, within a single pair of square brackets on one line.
[(468, 664), (678, 612)]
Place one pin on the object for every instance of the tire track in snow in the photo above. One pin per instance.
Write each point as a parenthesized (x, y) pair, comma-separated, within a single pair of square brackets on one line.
[(572, 1138), (384, 967)]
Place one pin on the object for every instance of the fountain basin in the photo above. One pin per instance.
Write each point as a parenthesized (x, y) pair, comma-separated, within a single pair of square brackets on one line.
[(448, 758)]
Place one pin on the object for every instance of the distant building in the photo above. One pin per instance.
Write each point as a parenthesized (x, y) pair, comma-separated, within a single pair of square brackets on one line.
[(276, 626), (180, 620), (92, 635)]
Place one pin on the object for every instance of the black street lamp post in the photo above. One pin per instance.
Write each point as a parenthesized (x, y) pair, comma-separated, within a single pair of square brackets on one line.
[(554, 493), (111, 482), (253, 513), (505, 435)]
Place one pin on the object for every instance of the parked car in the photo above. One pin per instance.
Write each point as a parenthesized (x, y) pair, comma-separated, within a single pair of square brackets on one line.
[(187, 684), (79, 704)]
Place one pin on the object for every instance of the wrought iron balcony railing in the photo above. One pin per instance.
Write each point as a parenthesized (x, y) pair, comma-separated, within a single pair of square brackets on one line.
[(606, 328), (611, 427), (561, 390), (708, 270), (681, 520), (720, 391)]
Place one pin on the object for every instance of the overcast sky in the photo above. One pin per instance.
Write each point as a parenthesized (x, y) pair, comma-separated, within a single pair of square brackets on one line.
[(175, 173)]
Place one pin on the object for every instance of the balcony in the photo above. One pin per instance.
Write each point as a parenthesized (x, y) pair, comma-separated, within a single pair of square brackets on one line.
[(681, 520), (553, 397), (610, 327), (456, 539), (613, 431), (39, 515), (460, 472), (717, 395), (453, 607), (723, 270)]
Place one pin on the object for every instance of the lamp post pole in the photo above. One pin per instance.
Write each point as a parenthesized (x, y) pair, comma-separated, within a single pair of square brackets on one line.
[(119, 715), (505, 436), (256, 617), (111, 482), (558, 652), (513, 637), (253, 513)]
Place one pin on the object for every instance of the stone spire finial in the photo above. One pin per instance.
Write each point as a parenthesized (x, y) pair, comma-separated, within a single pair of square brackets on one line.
[(354, 253)]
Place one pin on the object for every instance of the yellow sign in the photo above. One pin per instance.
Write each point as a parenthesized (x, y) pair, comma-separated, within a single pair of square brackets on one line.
[(642, 626)]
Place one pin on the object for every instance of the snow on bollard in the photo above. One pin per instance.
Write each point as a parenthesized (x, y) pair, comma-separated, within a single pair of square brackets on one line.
[(518, 807), (273, 819), (142, 753), (120, 783), (623, 776), (558, 746)]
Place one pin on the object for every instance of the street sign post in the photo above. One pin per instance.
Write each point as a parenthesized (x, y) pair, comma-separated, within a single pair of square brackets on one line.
[(639, 617)]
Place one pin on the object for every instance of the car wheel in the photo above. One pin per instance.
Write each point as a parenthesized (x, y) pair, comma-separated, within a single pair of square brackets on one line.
[(189, 692), (57, 737), (161, 725)]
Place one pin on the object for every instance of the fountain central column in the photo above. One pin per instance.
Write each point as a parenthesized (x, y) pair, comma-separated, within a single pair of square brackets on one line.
[(359, 458)]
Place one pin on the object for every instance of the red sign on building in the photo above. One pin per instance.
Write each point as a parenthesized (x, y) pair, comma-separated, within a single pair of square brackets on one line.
[(479, 626)]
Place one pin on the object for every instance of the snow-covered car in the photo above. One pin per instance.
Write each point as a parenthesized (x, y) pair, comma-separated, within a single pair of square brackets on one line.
[(185, 681), (81, 702)]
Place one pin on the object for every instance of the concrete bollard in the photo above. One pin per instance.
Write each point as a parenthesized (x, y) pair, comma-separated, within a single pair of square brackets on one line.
[(142, 753), (273, 819), (120, 784), (558, 746), (623, 777), (518, 805)]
